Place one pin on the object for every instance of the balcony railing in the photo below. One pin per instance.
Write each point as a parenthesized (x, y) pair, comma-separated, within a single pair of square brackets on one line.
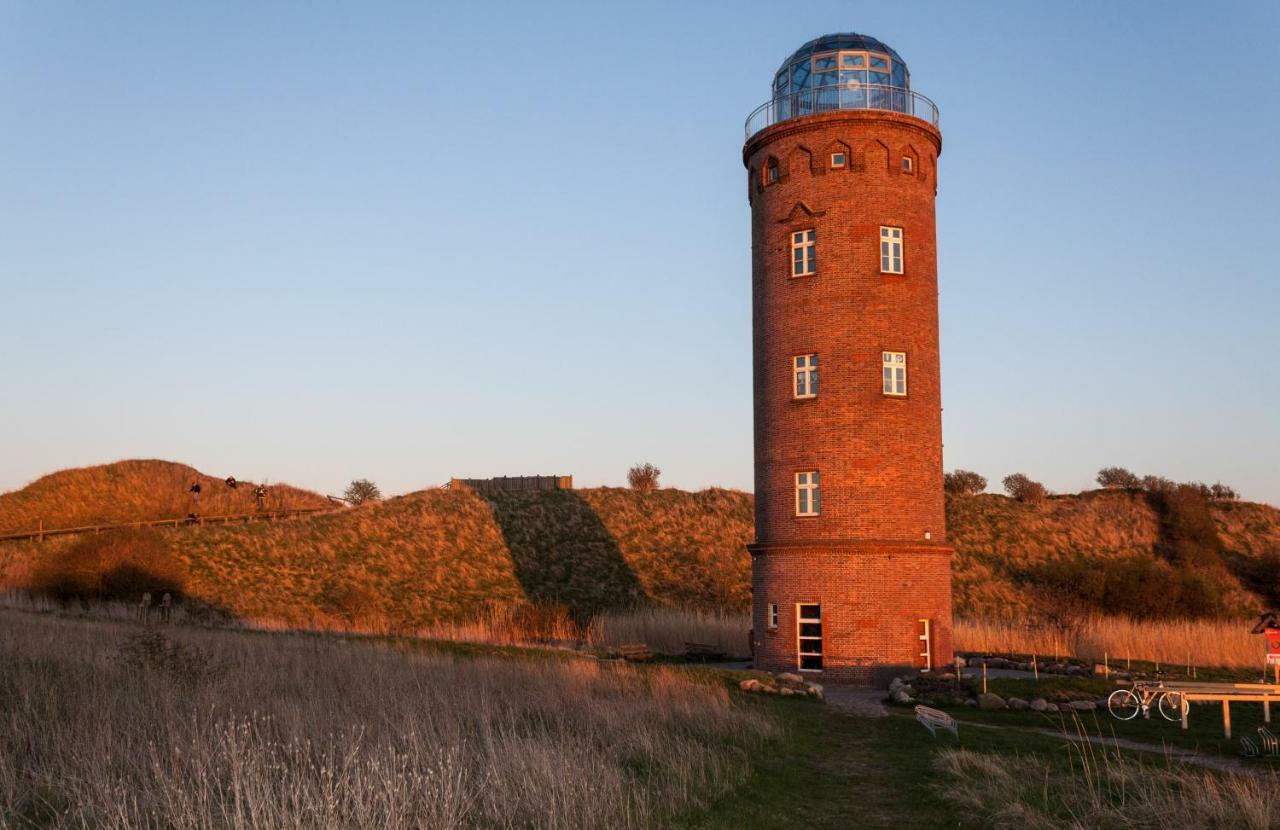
[(841, 97)]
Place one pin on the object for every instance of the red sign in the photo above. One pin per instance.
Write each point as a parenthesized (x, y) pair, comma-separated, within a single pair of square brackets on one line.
[(1273, 646)]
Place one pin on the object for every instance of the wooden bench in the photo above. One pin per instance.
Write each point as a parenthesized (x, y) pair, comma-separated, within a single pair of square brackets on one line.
[(703, 652), (934, 720), (635, 653)]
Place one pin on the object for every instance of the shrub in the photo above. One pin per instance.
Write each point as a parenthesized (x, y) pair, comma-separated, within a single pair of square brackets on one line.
[(1190, 535), (362, 490), (115, 565), (1138, 586), (1024, 489), (643, 478), (1118, 477), (1221, 492), (1157, 484), (964, 483)]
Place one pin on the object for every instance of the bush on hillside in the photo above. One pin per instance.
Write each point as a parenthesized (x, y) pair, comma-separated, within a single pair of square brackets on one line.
[(1137, 586), (1157, 484), (1118, 477), (1221, 492), (362, 490), (1189, 533), (1024, 489), (643, 478), (116, 565), (964, 483)]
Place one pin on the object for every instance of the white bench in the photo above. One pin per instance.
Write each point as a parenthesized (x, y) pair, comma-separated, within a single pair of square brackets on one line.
[(934, 720)]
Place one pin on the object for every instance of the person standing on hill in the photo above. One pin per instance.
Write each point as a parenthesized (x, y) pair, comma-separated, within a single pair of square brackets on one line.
[(195, 492), (260, 496), (231, 482)]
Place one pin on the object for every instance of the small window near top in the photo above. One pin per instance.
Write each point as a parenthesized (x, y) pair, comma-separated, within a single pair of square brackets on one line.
[(808, 502), (806, 376), (837, 159), (895, 373), (771, 172), (773, 615), (890, 250), (907, 166), (804, 261)]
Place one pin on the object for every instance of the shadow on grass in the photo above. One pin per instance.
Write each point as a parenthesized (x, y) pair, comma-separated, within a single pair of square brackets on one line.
[(563, 554)]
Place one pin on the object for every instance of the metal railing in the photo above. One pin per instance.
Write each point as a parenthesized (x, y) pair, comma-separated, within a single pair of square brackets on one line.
[(841, 97)]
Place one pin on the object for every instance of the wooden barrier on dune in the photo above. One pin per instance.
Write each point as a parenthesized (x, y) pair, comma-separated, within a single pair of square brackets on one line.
[(503, 484)]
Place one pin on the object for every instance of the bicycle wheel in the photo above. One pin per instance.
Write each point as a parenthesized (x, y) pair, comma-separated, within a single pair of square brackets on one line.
[(1172, 705), (1123, 704)]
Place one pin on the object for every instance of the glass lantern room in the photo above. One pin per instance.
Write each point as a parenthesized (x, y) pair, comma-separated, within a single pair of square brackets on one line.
[(845, 71), (848, 60)]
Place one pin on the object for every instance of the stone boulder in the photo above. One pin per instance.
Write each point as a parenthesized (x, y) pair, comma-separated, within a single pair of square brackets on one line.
[(989, 701), (1083, 705), (1040, 705), (790, 679), (1017, 704)]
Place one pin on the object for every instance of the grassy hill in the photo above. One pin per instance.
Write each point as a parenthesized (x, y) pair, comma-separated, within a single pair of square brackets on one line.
[(130, 491), (438, 555)]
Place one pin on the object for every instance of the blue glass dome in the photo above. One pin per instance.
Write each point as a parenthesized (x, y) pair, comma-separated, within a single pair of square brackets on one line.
[(848, 60)]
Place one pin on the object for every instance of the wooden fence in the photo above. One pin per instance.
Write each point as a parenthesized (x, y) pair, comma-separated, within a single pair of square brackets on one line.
[(517, 483), (268, 515)]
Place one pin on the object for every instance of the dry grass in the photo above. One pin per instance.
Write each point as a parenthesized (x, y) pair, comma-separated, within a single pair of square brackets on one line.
[(106, 727), (130, 491), (1105, 789), (667, 630), (1222, 643)]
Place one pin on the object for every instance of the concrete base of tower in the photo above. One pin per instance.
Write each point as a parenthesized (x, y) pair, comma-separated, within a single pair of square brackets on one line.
[(851, 612)]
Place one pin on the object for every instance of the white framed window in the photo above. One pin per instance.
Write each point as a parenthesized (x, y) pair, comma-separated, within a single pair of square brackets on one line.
[(926, 646), (907, 165), (804, 252), (837, 160), (809, 636), (806, 376), (808, 498), (773, 615), (890, 250), (894, 373)]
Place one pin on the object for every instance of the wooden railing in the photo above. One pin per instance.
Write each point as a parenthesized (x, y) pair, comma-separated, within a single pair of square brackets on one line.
[(186, 521)]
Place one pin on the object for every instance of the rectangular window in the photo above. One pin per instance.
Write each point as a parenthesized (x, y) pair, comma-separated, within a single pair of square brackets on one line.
[(809, 636), (891, 250), (837, 159), (806, 376), (895, 373), (803, 253), (773, 615), (808, 502), (907, 164)]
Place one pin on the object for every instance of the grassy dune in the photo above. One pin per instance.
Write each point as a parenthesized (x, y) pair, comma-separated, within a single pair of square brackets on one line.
[(130, 491), (443, 556)]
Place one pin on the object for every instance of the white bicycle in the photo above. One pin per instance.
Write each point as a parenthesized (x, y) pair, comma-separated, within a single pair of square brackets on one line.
[(1126, 704)]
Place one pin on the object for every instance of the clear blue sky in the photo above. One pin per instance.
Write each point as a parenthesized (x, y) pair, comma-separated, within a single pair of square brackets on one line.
[(316, 241)]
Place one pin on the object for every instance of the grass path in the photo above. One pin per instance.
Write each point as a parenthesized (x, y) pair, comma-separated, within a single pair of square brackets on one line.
[(835, 770)]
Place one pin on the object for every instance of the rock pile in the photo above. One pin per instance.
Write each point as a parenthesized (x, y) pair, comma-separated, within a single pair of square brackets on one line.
[(785, 684)]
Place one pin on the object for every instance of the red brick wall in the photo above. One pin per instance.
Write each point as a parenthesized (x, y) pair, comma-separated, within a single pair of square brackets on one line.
[(872, 597), (880, 457)]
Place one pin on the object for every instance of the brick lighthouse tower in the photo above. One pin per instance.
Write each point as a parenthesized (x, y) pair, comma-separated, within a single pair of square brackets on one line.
[(851, 571)]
